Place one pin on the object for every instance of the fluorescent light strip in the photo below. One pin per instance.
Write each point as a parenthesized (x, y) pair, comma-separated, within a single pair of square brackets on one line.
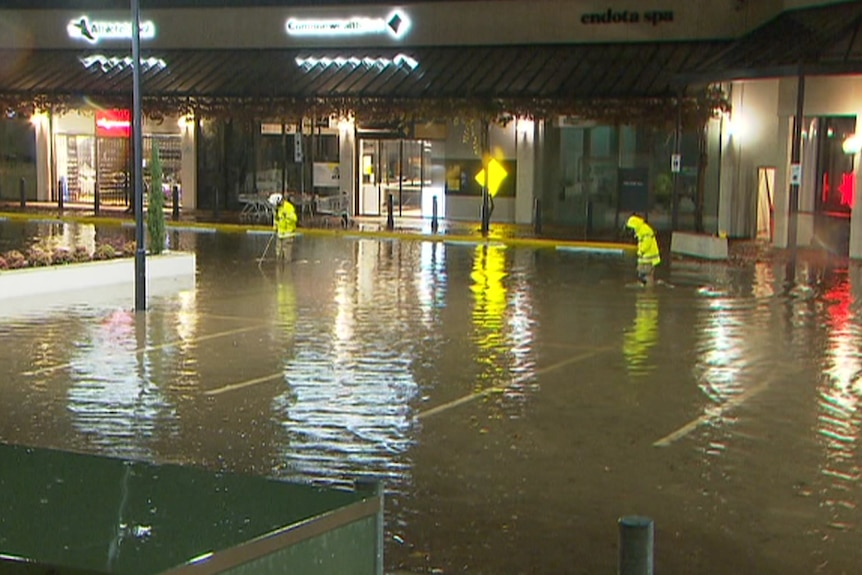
[(108, 64), (400, 61)]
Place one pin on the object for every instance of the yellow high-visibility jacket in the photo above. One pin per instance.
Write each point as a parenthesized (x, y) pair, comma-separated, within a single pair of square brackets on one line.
[(648, 252), (285, 220)]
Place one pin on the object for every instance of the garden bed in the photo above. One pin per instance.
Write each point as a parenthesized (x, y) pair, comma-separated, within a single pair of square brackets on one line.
[(106, 281)]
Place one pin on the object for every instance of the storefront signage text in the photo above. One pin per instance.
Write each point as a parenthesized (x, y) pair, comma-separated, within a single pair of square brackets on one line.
[(399, 61), (654, 17), (94, 31), (396, 25)]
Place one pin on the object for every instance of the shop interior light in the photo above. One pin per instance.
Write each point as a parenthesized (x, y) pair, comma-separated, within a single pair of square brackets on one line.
[(184, 122), (39, 118), (852, 144), (399, 61)]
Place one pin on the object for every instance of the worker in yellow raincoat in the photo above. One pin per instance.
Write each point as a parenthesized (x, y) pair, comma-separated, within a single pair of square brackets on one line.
[(648, 252), (284, 224)]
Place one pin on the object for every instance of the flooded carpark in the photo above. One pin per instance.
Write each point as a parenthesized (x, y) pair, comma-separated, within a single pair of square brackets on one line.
[(516, 401)]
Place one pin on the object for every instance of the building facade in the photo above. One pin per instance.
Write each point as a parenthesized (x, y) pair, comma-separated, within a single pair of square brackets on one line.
[(585, 110)]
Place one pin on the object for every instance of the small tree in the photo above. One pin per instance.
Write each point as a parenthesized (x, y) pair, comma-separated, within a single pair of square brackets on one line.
[(156, 204)]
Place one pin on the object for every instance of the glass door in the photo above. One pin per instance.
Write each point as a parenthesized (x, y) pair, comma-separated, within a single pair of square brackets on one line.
[(396, 168)]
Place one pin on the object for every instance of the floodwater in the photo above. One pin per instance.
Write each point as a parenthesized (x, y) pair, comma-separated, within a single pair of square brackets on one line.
[(516, 402)]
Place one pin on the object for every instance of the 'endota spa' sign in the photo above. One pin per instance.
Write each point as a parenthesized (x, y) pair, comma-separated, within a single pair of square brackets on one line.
[(654, 17)]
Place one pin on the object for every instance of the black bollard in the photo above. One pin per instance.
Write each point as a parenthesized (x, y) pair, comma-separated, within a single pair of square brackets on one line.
[(537, 217), (486, 213), (636, 545), (435, 225), (175, 202), (61, 193), (97, 201), (22, 190), (390, 216), (589, 217)]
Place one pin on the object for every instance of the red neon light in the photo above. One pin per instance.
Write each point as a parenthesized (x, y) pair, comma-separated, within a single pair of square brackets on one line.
[(847, 189), (113, 123)]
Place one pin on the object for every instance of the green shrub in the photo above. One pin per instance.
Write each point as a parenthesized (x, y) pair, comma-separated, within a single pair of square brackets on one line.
[(104, 252), (156, 204), (15, 260), (38, 257), (62, 256), (81, 254)]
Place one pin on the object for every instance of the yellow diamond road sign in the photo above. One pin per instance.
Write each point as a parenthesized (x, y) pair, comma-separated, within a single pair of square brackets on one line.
[(496, 174)]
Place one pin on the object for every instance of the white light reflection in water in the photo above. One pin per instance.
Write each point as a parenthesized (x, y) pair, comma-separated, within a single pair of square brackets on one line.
[(502, 325), (720, 361), (113, 400), (839, 418), (431, 281), (347, 406)]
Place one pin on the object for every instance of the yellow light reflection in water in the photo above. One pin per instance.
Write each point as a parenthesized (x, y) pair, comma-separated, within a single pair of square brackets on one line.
[(642, 335), (502, 323), (839, 418)]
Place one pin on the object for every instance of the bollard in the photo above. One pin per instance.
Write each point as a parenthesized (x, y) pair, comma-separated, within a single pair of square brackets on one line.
[(486, 213), (537, 217), (589, 217), (636, 545), (435, 225), (97, 201), (390, 216), (215, 202), (175, 202), (61, 192), (22, 190)]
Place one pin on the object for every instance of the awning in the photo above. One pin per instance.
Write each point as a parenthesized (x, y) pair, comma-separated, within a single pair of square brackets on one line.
[(477, 73), (823, 40)]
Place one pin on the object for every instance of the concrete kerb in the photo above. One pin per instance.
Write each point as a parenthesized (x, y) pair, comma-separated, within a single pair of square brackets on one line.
[(337, 232)]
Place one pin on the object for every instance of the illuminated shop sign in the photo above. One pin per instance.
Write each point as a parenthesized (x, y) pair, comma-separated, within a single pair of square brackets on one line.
[(107, 64), (654, 17), (113, 123), (94, 31), (396, 24), (399, 61)]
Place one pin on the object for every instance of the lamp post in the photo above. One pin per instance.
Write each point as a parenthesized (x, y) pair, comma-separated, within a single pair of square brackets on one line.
[(138, 144)]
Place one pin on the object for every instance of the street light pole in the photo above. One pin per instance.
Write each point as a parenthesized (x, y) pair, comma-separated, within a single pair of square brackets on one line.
[(138, 144)]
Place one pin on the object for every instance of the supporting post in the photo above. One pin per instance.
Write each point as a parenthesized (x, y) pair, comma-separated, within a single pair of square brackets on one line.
[(486, 198), (22, 192), (537, 216), (390, 217), (636, 545), (677, 147), (61, 193), (137, 127), (435, 225), (175, 202), (795, 181)]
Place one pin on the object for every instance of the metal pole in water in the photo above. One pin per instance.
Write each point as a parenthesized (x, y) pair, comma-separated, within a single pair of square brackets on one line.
[(637, 535), (390, 217), (434, 223), (137, 127)]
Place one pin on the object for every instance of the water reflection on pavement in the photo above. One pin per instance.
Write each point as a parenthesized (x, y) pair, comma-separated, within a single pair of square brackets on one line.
[(515, 401)]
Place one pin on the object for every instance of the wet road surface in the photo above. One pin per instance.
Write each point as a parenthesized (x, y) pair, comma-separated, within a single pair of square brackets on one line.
[(515, 401)]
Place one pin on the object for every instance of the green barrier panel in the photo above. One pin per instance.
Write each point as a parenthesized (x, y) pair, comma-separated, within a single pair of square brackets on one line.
[(70, 514)]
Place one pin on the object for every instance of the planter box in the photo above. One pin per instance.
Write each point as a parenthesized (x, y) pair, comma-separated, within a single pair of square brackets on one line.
[(74, 514), (104, 281), (699, 245)]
